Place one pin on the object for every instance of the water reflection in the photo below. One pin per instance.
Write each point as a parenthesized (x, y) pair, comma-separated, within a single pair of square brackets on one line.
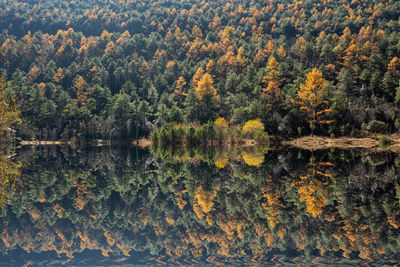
[(232, 206), (9, 172)]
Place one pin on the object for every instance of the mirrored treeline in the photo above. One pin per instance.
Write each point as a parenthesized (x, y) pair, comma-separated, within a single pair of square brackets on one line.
[(108, 205)]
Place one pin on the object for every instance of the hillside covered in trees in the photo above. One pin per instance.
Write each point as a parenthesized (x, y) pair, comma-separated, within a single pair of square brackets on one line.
[(121, 69)]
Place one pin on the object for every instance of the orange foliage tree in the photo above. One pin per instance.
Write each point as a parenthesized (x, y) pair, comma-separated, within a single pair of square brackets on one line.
[(59, 76), (197, 76), (9, 114), (312, 184), (180, 84), (80, 85), (205, 87), (311, 99), (9, 172), (203, 201), (273, 82)]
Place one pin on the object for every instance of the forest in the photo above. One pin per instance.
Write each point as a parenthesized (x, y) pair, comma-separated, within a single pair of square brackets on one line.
[(211, 85), (217, 206), (119, 70)]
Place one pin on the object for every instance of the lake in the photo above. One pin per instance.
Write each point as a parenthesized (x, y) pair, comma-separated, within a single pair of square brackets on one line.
[(127, 206)]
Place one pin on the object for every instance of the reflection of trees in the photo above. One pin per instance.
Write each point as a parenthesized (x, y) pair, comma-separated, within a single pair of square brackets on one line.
[(312, 186), (195, 208), (253, 156), (9, 172)]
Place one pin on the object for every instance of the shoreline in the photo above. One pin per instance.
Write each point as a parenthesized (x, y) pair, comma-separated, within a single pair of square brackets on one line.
[(345, 142), (305, 142)]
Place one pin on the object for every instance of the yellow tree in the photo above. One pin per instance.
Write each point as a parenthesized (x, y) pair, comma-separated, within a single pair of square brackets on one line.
[(312, 186), (9, 114), (394, 65), (273, 82), (227, 61), (197, 76), (269, 48), (311, 99), (210, 67), (222, 126), (253, 126), (124, 36), (80, 85), (59, 76), (281, 52), (9, 172), (205, 87), (203, 201), (196, 32), (180, 83), (241, 58), (109, 48)]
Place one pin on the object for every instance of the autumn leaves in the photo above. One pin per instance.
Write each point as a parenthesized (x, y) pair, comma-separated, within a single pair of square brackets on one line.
[(311, 96), (9, 114), (202, 82), (311, 99)]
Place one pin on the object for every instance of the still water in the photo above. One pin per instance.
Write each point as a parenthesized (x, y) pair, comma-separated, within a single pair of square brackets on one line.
[(125, 206)]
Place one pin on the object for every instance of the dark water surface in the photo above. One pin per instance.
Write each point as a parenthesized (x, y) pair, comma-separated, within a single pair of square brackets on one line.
[(123, 206)]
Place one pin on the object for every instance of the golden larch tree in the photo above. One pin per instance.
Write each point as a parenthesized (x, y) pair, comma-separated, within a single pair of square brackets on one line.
[(109, 48), (205, 87), (269, 47), (210, 67), (203, 201), (9, 172), (180, 83), (196, 32), (9, 114), (170, 65), (281, 52), (80, 85), (311, 99), (312, 186), (394, 65), (273, 81), (241, 58), (197, 76), (59, 76)]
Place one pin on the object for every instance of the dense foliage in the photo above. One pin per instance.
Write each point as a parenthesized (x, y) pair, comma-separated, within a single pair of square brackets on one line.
[(108, 69), (9, 115), (206, 205)]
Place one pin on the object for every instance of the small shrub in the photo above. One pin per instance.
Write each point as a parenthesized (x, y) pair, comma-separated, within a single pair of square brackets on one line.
[(221, 123), (253, 126), (253, 159)]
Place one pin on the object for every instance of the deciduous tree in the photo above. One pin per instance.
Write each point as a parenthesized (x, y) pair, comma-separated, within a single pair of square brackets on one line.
[(9, 114), (205, 87), (312, 99), (273, 81)]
